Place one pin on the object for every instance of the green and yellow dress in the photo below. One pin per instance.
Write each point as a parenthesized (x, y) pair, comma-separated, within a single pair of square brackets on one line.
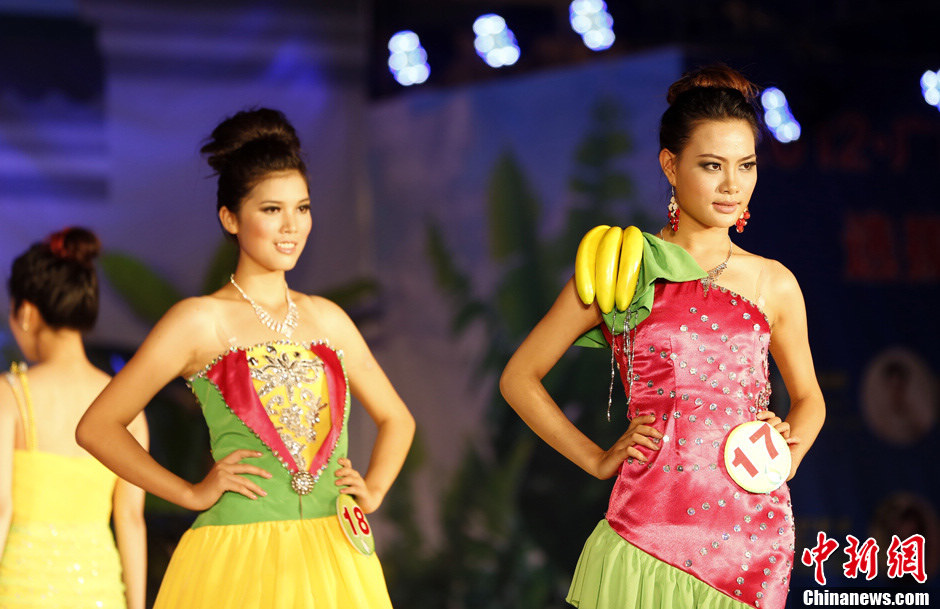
[(60, 552), (289, 402)]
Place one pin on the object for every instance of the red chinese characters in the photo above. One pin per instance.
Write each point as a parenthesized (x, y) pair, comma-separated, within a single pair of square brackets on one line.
[(862, 558), (818, 555), (904, 557), (907, 557)]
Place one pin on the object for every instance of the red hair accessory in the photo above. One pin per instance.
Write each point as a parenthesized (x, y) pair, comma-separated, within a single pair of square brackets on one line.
[(57, 244)]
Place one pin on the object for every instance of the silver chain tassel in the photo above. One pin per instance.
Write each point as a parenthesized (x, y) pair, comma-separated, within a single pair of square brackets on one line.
[(628, 342)]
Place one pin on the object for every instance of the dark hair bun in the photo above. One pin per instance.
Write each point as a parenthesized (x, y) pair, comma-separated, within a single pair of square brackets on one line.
[(247, 148), (257, 129), (714, 92), (75, 243), (58, 276), (716, 76)]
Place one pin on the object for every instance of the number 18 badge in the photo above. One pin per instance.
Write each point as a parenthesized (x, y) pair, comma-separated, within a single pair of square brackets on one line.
[(354, 524)]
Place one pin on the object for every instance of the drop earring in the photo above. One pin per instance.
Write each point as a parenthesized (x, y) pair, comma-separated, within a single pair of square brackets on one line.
[(742, 221), (673, 211)]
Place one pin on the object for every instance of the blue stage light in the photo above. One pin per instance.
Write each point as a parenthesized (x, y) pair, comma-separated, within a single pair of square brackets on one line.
[(590, 19), (930, 87), (495, 42), (407, 59), (777, 116), (117, 362)]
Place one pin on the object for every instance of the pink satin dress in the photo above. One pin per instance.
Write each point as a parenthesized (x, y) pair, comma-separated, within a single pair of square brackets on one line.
[(700, 366)]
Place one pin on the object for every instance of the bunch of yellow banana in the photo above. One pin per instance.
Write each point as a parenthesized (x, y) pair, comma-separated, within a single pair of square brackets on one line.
[(607, 266)]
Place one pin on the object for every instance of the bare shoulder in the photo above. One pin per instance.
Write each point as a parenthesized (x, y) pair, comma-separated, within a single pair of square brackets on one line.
[(780, 291), (193, 309), (750, 258), (191, 314), (770, 273), (7, 400), (779, 280), (318, 304), (324, 309), (189, 324), (101, 377), (331, 321)]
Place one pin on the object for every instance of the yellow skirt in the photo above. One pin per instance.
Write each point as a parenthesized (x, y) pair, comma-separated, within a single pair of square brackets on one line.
[(60, 566), (285, 564)]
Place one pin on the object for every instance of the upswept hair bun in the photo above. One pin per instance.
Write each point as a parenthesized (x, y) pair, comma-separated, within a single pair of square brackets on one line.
[(244, 148), (75, 243), (715, 76), (714, 92), (58, 277)]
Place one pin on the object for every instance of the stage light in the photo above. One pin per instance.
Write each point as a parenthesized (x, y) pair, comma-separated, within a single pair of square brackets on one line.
[(591, 19), (777, 116), (117, 362), (930, 87), (495, 42), (407, 59)]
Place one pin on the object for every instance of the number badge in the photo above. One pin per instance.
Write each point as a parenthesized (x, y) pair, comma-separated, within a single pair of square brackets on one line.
[(354, 524), (757, 457)]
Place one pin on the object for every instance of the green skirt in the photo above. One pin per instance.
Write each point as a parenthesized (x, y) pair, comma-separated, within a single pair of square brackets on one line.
[(614, 574)]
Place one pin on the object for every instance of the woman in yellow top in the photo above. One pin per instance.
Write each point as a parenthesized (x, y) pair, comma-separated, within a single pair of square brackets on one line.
[(56, 502), (273, 370)]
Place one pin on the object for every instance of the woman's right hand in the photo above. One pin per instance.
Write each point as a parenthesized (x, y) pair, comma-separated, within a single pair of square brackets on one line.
[(226, 475), (639, 433)]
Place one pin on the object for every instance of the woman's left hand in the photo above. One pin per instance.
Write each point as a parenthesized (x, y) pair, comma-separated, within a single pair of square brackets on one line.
[(781, 426), (354, 484)]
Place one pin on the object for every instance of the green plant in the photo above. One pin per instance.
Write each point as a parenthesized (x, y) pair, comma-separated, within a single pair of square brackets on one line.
[(516, 513)]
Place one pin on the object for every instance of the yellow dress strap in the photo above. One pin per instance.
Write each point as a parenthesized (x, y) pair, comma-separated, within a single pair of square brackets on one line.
[(24, 402)]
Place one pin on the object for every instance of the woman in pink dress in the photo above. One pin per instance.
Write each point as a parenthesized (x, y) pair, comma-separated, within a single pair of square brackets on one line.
[(692, 349)]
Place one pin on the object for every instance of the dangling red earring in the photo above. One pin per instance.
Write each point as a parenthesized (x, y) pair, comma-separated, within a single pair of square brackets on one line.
[(673, 212), (742, 221)]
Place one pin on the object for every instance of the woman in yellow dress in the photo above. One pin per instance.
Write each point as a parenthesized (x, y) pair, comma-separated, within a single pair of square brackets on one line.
[(56, 502), (273, 370)]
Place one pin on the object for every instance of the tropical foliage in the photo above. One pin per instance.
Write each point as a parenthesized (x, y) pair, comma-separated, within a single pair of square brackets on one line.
[(516, 513)]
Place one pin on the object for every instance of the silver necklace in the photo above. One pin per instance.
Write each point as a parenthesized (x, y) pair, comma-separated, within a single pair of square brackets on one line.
[(285, 327), (713, 274), (712, 279)]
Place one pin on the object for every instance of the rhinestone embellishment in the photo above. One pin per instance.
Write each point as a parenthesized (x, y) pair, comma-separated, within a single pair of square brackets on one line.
[(302, 482), (698, 371), (285, 327)]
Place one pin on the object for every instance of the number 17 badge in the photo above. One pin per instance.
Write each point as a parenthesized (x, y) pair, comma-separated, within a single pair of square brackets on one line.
[(757, 457)]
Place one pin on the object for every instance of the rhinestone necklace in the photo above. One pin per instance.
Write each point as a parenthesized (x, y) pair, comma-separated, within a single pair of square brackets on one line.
[(285, 327), (711, 281)]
